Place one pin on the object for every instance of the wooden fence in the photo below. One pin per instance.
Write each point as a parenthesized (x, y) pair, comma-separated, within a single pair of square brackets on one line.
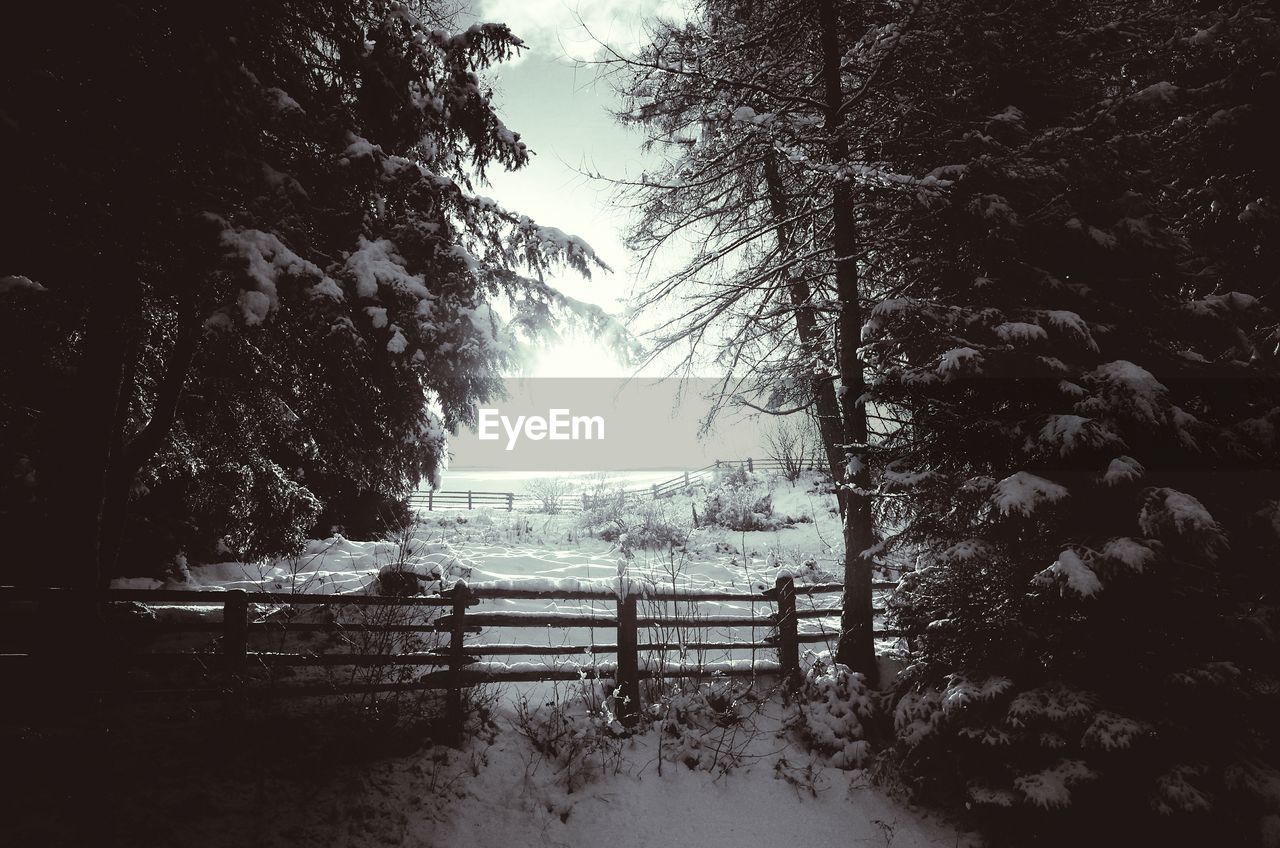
[(701, 476), (447, 500), (460, 664), (462, 500), (458, 499)]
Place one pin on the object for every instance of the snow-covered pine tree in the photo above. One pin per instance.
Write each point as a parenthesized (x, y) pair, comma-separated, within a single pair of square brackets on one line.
[(269, 287), (1088, 475)]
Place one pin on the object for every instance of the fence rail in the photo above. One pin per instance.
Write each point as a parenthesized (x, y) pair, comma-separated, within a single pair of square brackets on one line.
[(701, 476), (459, 663), (471, 499), (462, 500)]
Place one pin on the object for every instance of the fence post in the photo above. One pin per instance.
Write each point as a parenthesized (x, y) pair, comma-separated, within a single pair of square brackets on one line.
[(468, 499), (788, 639), (235, 630), (751, 466), (511, 501), (655, 491), (431, 496), (686, 478), (457, 660), (626, 696)]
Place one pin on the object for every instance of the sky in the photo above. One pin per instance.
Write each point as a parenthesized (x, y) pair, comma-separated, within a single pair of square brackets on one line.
[(553, 97)]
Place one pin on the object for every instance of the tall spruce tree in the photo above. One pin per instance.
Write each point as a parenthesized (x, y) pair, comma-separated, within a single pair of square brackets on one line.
[(1088, 471), (251, 283)]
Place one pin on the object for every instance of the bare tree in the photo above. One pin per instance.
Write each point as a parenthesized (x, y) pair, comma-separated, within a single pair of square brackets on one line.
[(772, 115), (792, 443), (548, 491)]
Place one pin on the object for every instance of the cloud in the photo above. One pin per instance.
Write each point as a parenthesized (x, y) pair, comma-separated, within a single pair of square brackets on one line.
[(576, 28)]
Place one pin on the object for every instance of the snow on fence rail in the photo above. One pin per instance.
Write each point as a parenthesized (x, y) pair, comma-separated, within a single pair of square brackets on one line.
[(462, 500), (471, 499), (460, 664)]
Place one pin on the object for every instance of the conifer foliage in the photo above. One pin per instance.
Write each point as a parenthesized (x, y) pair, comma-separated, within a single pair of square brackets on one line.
[(1088, 472), (1063, 220), (250, 285)]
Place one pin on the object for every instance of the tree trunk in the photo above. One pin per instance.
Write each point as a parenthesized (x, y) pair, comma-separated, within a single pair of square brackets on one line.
[(812, 344), (85, 434), (856, 648), (129, 459), (94, 464)]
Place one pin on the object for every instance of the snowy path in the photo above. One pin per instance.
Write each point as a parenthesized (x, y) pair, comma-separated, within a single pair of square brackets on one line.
[(511, 802), (149, 792), (502, 793)]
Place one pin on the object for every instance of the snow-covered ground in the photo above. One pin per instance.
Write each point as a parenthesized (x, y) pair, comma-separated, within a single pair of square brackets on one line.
[(754, 788), (497, 548), (752, 782), (486, 544), (776, 796), (491, 480)]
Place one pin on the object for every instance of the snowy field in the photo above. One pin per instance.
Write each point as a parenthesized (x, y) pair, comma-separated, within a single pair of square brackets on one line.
[(498, 549)]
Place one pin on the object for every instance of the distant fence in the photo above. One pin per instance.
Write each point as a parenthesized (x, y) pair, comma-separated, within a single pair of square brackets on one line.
[(700, 477), (447, 500), (460, 664), (462, 500), (689, 480)]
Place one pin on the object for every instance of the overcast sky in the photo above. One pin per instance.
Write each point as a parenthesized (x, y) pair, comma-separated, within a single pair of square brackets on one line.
[(553, 97), (562, 111)]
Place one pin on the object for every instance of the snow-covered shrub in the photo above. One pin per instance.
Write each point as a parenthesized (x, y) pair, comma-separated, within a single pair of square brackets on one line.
[(574, 732), (831, 709), (634, 522), (604, 508), (698, 723), (810, 570), (653, 526), (548, 491), (417, 566), (739, 501)]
